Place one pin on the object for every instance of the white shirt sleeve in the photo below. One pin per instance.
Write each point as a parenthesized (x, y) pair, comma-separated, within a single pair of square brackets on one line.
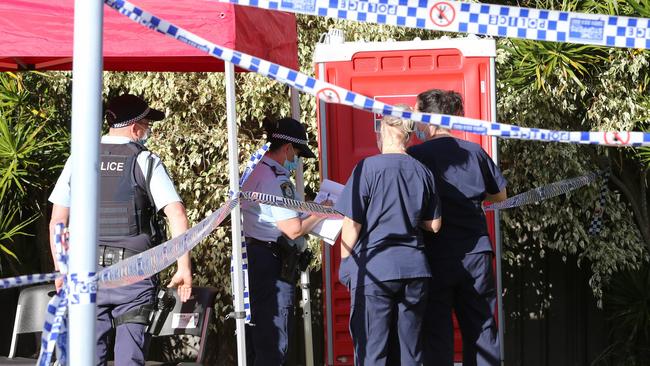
[(61, 193), (161, 185), (280, 213)]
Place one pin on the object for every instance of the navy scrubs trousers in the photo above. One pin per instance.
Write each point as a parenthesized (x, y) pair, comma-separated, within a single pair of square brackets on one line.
[(267, 340), (384, 314), (466, 285)]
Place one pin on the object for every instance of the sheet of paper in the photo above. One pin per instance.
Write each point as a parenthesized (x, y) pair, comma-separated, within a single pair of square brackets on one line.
[(329, 190), (328, 229)]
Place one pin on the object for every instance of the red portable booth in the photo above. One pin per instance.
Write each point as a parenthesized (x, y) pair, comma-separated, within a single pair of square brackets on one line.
[(392, 72)]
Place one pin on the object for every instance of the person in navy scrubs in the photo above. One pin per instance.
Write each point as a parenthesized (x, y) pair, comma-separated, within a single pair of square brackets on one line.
[(387, 201), (460, 255)]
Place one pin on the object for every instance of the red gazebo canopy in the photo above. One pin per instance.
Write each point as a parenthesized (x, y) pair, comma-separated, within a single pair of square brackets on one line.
[(37, 35)]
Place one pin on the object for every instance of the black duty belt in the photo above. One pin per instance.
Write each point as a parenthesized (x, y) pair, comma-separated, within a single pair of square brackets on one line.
[(270, 245), (109, 255)]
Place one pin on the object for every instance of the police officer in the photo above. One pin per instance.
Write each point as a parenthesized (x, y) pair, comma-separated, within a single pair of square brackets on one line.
[(269, 229), (134, 187), (387, 200), (460, 255)]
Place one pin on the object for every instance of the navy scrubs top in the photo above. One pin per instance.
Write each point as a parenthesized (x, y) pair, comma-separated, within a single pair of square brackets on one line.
[(465, 174), (389, 195)]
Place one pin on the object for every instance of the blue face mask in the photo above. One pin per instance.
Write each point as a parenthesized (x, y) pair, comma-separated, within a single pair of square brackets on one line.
[(143, 140), (420, 135), (291, 165)]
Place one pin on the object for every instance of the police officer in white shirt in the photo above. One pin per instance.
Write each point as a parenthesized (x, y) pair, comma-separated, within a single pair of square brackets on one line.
[(269, 229), (134, 188)]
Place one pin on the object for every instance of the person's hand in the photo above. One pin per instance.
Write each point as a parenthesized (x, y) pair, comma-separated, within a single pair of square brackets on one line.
[(58, 283), (183, 281), (327, 203)]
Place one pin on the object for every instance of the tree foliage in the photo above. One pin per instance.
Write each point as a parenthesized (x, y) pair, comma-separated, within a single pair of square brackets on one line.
[(573, 87), (32, 147)]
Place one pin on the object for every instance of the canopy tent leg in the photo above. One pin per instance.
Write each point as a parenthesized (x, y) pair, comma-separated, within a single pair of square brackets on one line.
[(86, 129), (235, 215), (305, 302)]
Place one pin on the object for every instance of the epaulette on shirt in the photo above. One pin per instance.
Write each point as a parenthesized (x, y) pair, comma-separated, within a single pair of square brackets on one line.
[(275, 170), (288, 191)]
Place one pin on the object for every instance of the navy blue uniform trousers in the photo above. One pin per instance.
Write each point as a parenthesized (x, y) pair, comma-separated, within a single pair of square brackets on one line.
[(267, 340), (384, 314), (466, 285), (131, 342)]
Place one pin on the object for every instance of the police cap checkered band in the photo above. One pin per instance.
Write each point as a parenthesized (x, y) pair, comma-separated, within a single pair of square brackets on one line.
[(290, 130), (289, 138), (128, 109)]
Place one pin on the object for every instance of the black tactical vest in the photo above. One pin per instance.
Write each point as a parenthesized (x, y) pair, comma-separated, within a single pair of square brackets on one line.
[(127, 216)]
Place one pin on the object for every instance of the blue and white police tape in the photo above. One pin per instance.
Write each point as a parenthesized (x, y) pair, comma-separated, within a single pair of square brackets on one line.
[(55, 327), (476, 18), (252, 163), (79, 289), (245, 284), (55, 330), (300, 206), (141, 266), (154, 260), (28, 279), (545, 192), (335, 94), (76, 289), (32, 279), (597, 221), (250, 167)]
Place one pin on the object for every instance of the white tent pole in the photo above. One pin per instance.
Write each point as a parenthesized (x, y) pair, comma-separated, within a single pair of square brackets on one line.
[(235, 215), (305, 302), (86, 127)]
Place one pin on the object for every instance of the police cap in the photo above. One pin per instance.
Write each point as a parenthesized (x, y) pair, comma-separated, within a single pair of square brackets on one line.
[(128, 109), (289, 130)]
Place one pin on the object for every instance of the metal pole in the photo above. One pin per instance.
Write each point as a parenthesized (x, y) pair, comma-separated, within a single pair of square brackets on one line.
[(327, 250), (235, 215), (86, 127), (305, 302), (497, 220)]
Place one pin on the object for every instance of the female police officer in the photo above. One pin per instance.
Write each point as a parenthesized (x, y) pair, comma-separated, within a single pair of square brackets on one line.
[(265, 226), (386, 201)]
